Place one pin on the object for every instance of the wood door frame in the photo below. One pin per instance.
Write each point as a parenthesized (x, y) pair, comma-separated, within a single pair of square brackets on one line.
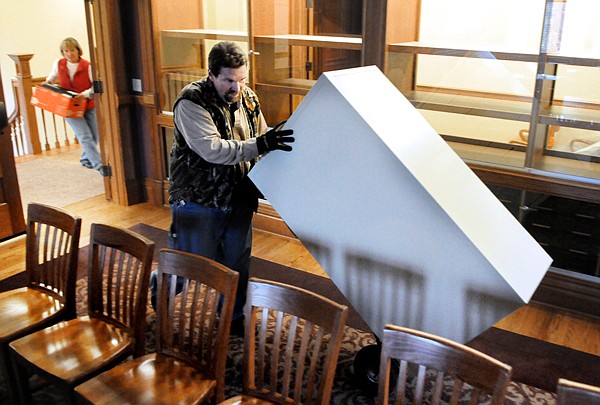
[(114, 104)]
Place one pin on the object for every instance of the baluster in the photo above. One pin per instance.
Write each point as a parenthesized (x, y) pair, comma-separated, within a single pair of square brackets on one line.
[(24, 80), (47, 144), (13, 138), (75, 140), (56, 142), (20, 135), (15, 123), (66, 135)]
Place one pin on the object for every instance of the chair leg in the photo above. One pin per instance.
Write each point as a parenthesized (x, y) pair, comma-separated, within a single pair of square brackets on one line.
[(8, 374), (22, 383)]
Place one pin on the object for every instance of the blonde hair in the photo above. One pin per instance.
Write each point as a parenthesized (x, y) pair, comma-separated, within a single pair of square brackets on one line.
[(70, 41)]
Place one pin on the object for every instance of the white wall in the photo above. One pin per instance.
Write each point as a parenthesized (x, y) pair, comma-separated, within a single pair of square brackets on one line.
[(37, 27)]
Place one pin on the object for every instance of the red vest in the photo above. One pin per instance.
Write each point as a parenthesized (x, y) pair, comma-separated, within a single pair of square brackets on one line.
[(81, 79)]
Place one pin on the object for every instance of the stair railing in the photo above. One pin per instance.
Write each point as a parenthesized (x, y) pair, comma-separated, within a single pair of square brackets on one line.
[(27, 134)]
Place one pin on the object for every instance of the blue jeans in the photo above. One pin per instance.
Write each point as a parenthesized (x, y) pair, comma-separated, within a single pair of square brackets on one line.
[(86, 131), (223, 236)]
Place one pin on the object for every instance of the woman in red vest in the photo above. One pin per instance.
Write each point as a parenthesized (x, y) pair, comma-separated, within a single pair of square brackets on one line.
[(72, 72)]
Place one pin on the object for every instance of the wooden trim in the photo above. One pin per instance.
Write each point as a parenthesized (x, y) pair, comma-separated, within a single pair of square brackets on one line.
[(420, 48), (316, 41), (571, 291), (525, 180), (559, 288), (374, 35), (267, 219), (165, 120), (145, 99), (219, 35)]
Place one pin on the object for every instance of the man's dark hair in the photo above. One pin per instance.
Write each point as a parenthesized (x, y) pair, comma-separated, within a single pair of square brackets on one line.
[(226, 54)]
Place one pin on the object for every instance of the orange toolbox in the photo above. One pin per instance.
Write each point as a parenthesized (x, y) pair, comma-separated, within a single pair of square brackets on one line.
[(58, 101)]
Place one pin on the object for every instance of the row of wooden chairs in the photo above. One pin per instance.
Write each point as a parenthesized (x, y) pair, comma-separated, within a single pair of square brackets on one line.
[(43, 334), (293, 336), (52, 249), (290, 353)]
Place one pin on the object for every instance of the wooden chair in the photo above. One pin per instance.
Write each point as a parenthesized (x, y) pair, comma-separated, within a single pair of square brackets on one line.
[(52, 249), (573, 393), (292, 341), (72, 351), (445, 369), (192, 339)]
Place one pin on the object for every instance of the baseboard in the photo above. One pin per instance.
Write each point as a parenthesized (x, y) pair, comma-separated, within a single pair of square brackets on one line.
[(267, 219), (562, 289), (574, 292)]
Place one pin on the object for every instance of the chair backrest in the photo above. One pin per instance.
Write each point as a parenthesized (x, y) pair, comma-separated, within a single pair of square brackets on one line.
[(574, 393), (52, 250), (194, 324), (119, 268), (437, 368), (293, 338)]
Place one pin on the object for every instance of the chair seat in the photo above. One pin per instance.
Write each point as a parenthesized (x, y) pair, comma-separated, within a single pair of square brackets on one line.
[(246, 400), (151, 379), (25, 309), (74, 348)]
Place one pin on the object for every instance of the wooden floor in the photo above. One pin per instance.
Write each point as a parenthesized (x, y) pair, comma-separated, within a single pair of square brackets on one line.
[(536, 321)]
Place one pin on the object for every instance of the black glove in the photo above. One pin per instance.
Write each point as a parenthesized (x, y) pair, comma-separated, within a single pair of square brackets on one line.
[(275, 139)]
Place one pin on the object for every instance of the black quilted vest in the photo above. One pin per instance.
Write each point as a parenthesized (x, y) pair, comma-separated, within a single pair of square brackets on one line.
[(193, 178)]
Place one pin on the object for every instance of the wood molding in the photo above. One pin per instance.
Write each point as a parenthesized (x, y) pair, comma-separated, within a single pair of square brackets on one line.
[(559, 288), (267, 219), (571, 291), (522, 180), (374, 35), (145, 99)]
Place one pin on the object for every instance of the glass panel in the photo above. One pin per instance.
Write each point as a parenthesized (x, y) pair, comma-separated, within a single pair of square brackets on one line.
[(471, 71), (570, 90), (294, 42), (187, 32), (481, 139)]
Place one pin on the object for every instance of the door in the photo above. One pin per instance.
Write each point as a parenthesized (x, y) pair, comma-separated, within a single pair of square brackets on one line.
[(12, 222)]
